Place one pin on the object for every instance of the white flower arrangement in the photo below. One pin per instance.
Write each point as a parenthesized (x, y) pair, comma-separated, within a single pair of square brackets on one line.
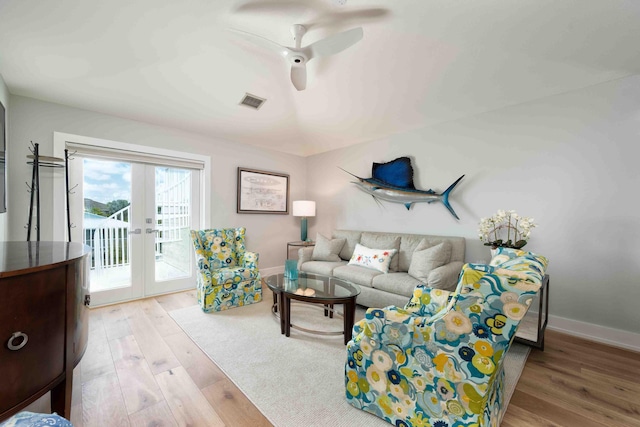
[(506, 229)]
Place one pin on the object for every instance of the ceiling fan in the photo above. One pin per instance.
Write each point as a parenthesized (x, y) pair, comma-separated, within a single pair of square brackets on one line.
[(298, 56)]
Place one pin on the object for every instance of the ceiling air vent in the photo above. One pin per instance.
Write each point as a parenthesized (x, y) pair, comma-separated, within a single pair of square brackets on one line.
[(252, 101)]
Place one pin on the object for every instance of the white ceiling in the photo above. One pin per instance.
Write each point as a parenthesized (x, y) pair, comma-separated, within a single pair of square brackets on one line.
[(420, 62)]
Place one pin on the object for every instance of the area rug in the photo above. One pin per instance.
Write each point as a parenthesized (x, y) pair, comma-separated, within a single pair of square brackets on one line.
[(297, 380)]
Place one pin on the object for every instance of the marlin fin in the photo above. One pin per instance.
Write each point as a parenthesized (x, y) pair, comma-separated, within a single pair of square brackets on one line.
[(445, 197), (377, 201)]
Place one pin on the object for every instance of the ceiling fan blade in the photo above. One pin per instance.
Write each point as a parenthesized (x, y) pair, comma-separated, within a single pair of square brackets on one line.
[(262, 42), (336, 43), (299, 76), (274, 7)]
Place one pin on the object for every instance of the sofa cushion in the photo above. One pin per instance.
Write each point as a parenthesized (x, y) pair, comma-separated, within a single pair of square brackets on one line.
[(445, 276), (397, 283), (321, 267), (378, 259), (408, 244), (457, 246), (231, 275), (327, 249), (352, 237), (382, 241), (427, 258), (359, 275)]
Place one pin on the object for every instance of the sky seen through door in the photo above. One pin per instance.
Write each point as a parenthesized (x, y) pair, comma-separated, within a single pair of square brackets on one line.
[(106, 180)]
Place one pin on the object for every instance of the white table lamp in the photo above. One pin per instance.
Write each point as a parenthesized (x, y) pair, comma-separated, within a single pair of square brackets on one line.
[(304, 209)]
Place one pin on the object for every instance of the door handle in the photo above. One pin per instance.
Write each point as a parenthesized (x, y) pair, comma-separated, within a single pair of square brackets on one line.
[(151, 230), (136, 231)]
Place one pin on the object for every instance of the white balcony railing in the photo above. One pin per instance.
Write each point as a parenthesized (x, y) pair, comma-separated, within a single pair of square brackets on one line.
[(109, 237)]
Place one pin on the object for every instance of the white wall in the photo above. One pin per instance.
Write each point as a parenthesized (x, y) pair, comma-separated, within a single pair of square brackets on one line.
[(33, 120), (570, 161), (4, 99)]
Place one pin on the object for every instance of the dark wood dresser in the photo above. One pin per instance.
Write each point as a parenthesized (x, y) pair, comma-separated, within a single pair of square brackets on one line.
[(44, 294)]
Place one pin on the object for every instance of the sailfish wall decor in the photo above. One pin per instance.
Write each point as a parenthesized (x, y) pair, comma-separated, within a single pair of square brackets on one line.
[(393, 182)]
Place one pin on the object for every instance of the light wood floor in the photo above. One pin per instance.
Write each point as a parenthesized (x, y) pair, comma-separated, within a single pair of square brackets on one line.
[(141, 369)]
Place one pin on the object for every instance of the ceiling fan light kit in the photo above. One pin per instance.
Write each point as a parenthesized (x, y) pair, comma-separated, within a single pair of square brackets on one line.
[(298, 56)]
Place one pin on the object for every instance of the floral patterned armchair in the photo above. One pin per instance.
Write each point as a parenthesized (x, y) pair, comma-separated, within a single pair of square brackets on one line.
[(32, 419), (439, 360), (228, 274)]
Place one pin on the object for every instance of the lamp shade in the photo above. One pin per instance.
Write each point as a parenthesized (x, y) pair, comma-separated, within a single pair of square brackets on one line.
[(305, 208)]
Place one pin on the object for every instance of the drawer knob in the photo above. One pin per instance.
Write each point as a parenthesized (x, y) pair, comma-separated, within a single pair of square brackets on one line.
[(18, 337)]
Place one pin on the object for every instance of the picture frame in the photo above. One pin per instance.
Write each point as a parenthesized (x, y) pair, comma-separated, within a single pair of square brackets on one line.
[(262, 192), (3, 157)]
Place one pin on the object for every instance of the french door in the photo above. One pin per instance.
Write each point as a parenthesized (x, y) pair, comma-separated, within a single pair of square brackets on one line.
[(137, 219)]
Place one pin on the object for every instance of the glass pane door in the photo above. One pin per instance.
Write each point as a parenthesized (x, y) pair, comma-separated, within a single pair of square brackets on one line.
[(175, 208), (107, 229), (137, 220)]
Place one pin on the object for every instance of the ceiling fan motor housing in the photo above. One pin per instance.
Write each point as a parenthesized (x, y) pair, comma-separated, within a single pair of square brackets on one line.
[(298, 59), (298, 56)]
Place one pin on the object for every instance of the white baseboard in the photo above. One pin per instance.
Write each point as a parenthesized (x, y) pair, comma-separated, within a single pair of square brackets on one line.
[(590, 331)]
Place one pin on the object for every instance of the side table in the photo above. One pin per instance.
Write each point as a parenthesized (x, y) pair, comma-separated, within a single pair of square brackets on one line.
[(298, 244), (532, 327)]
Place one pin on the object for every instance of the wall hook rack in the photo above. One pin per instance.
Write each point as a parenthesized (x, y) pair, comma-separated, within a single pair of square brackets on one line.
[(38, 161)]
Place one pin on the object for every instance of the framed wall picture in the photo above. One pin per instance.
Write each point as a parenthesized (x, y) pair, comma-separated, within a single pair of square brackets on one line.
[(3, 183), (262, 192)]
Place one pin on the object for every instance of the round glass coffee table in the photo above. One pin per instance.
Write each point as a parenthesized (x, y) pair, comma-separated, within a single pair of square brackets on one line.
[(313, 289)]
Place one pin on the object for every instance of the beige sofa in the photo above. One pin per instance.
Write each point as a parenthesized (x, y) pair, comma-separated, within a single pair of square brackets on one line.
[(378, 289)]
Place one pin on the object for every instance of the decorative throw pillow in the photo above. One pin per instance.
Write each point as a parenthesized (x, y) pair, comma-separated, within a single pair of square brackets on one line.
[(352, 237), (377, 259), (327, 249), (382, 241), (426, 258)]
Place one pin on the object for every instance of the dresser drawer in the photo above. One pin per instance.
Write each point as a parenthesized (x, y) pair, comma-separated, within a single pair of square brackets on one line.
[(32, 304)]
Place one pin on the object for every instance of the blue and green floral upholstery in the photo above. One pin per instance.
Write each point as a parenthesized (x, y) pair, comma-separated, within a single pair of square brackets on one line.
[(32, 419), (519, 263), (439, 360), (228, 274)]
